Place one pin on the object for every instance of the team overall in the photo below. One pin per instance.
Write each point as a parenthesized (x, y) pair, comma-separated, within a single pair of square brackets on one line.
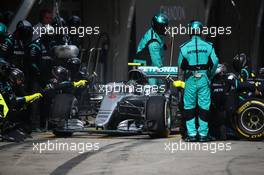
[(198, 60), (151, 47)]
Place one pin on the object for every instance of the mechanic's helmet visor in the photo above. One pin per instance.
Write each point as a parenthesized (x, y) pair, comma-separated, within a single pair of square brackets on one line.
[(24, 30), (73, 65), (159, 23), (60, 73), (26, 34)]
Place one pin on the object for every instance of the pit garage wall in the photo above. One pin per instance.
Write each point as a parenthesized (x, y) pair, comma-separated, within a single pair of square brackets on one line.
[(223, 14), (112, 16)]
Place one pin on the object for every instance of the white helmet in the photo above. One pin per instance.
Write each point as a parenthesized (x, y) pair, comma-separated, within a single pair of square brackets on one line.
[(221, 69)]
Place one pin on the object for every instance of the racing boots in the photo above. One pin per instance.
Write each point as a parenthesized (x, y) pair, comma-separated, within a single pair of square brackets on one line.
[(191, 139), (204, 139), (199, 139), (207, 138)]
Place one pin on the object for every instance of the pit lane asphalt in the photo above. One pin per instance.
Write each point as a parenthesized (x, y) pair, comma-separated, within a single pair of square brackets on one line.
[(129, 155)]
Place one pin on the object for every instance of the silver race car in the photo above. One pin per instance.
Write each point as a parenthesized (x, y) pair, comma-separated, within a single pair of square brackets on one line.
[(135, 107)]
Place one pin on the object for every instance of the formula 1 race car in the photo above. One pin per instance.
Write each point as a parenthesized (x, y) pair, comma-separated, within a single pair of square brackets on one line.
[(135, 107)]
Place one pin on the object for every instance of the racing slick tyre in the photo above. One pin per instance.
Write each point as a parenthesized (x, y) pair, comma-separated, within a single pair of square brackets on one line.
[(65, 106), (158, 115), (249, 119)]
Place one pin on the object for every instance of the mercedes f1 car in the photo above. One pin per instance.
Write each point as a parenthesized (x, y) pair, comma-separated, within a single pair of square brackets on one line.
[(132, 107)]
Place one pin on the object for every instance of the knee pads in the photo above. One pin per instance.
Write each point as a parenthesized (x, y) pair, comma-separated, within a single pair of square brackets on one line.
[(203, 114), (189, 114)]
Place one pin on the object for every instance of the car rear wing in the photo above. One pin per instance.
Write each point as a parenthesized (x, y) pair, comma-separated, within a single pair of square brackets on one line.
[(152, 71), (155, 72)]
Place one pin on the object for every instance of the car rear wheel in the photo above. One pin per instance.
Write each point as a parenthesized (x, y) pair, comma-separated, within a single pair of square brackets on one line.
[(249, 120)]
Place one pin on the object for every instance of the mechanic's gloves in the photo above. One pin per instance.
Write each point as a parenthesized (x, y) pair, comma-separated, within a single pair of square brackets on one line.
[(80, 83), (31, 98), (179, 84)]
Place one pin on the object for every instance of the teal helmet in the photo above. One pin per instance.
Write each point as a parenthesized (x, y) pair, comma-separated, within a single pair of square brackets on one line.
[(196, 27), (159, 22), (3, 28)]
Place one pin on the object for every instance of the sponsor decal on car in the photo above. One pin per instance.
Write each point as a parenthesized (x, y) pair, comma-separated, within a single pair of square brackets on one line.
[(156, 70)]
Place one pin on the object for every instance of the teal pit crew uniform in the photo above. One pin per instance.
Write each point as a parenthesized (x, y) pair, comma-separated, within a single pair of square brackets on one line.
[(151, 47), (198, 60)]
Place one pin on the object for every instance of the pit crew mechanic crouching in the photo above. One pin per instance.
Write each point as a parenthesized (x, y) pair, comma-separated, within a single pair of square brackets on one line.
[(241, 65), (61, 81), (151, 47), (246, 78), (11, 126), (198, 60)]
